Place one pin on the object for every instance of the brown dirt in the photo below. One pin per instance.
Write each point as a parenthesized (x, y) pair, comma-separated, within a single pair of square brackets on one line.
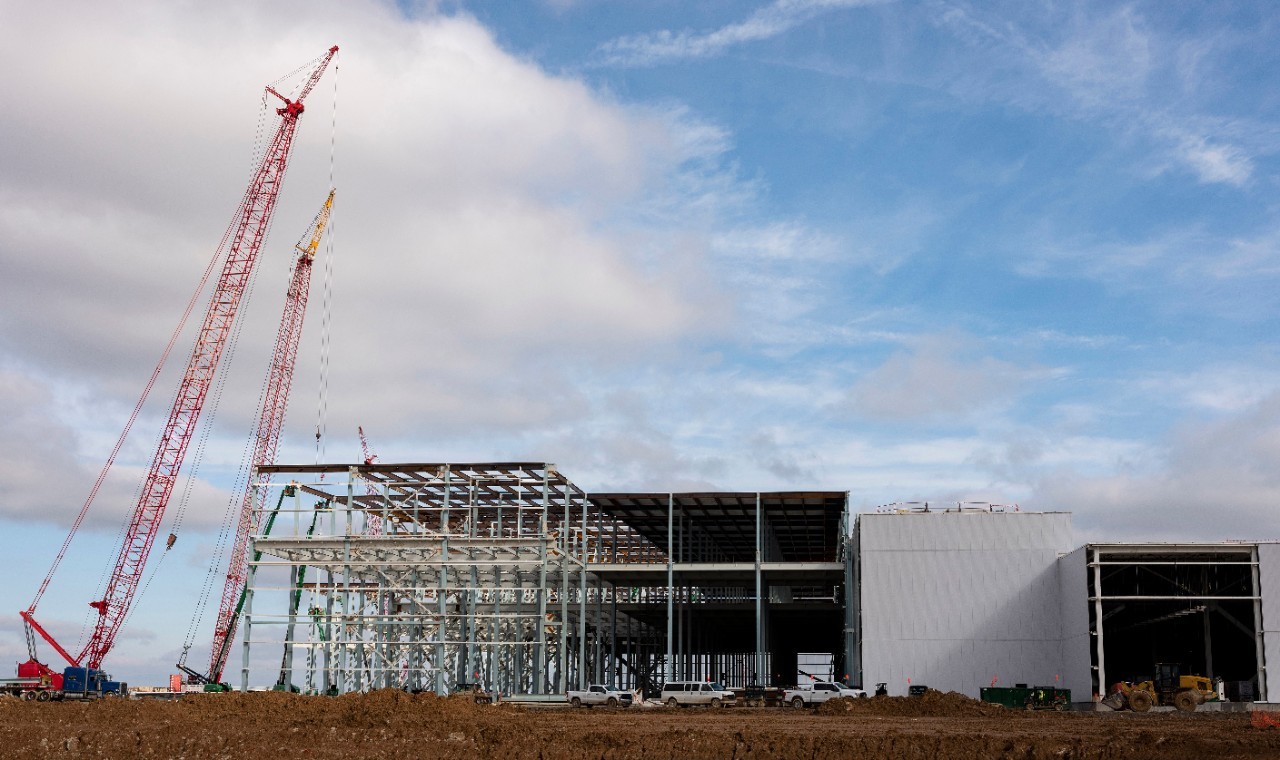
[(393, 724), (931, 704)]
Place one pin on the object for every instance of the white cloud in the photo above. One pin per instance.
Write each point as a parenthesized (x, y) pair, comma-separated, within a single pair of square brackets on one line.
[(770, 21), (1208, 271), (501, 234), (1222, 389), (1211, 162), (1113, 69), (1213, 481), (940, 377)]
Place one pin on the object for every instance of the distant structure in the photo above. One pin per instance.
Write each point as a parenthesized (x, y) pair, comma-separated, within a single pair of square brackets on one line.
[(509, 576)]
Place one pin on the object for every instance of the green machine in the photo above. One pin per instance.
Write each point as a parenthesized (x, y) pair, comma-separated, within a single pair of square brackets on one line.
[(1022, 697)]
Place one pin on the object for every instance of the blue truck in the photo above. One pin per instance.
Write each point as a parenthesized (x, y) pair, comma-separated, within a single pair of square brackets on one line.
[(38, 682)]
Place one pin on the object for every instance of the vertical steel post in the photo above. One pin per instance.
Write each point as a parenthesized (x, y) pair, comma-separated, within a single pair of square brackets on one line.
[(442, 579), (671, 511), (1097, 616), (343, 655), (540, 651), (1260, 651), (852, 663), (247, 632), (760, 669), (562, 674), (582, 604)]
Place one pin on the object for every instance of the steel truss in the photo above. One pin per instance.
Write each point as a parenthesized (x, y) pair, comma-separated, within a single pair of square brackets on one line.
[(478, 576)]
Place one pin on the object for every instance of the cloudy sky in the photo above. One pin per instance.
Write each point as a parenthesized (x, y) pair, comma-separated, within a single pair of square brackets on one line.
[(1018, 252)]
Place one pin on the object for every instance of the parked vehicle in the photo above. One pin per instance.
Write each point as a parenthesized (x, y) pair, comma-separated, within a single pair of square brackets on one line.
[(814, 694), (685, 693), (597, 694), (754, 695)]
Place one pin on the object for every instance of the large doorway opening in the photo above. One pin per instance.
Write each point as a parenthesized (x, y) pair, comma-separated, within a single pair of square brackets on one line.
[(1193, 605)]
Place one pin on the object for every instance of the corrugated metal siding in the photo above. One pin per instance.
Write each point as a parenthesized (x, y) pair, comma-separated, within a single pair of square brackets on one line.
[(952, 600), (1269, 582)]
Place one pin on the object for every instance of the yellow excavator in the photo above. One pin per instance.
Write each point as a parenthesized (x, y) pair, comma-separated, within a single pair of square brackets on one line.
[(1169, 687)]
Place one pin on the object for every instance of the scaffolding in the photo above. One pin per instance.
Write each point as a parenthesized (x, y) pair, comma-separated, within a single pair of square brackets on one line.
[(437, 577)]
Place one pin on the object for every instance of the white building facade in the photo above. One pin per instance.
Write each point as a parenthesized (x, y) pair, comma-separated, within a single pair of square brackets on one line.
[(955, 600)]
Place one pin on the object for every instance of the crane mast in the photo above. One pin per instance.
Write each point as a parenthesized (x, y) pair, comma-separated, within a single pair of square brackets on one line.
[(275, 403), (253, 219)]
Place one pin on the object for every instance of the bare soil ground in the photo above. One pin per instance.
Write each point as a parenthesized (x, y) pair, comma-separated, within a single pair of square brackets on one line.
[(394, 724)]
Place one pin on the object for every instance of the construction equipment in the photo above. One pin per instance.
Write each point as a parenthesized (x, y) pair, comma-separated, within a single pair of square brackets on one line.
[(1169, 687), (1022, 697), (275, 402), (373, 523), (245, 235), (36, 682)]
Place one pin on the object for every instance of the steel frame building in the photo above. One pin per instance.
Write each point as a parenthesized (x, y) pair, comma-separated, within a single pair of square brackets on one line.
[(437, 576)]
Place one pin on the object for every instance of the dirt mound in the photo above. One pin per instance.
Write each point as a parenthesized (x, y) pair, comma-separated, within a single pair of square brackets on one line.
[(931, 704), (388, 723)]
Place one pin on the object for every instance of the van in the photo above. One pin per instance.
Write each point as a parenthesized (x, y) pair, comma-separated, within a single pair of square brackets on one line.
[(685, 693)]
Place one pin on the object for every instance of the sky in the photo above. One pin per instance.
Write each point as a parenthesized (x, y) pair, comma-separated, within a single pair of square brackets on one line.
[(1010, 252)]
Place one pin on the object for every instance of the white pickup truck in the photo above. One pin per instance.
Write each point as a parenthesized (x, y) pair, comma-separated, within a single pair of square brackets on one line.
[(811, 695), (595, 694)]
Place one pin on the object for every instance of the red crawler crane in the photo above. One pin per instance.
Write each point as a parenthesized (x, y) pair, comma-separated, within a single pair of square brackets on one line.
[(253, 218), (267, 437)]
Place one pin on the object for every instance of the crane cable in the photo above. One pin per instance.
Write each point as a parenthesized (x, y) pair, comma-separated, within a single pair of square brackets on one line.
[(326, 301), (218, 253), (133, 416), (206, 424), (229, 519)]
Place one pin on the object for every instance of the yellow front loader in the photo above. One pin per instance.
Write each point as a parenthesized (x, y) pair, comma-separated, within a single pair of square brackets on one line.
[(1169, 687)]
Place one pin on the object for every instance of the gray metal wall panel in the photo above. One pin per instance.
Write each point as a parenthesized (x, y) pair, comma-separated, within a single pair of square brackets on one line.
[(1269, 586), (1073, 600), (952, 600)]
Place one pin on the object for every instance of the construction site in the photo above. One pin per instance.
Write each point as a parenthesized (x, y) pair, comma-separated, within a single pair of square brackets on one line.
[(426, 576), (452, 606)]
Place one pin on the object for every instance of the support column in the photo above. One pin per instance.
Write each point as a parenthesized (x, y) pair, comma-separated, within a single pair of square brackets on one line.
[(1097, 613), (671, 511), (852, 662), (760, 668), (343, 655), (442, 627), (1208, 645), (295, 596), (1260, 651), (540, 649), (246, 629), (582, 605)]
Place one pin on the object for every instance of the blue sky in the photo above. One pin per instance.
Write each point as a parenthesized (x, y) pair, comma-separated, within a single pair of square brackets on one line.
[(1014, 252)]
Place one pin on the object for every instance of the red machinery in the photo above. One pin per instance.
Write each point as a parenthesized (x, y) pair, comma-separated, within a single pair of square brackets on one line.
[(250, 226), (267, 437), (374, 525)]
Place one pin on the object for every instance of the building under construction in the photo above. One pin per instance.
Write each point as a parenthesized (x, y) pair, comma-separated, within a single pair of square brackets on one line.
[(436, 576), (507, 575)]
